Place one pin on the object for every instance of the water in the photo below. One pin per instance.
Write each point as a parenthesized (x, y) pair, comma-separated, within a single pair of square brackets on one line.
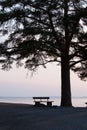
[(76, 101)]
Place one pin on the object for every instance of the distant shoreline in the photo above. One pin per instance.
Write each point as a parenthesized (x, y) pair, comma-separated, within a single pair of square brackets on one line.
[(7, 104), (76, 102)]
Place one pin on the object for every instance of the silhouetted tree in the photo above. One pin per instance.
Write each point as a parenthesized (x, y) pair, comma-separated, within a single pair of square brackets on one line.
[(44, 31), (3, 57)]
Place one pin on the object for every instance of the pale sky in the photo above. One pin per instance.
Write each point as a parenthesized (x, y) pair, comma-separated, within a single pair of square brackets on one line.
[(45, 82)]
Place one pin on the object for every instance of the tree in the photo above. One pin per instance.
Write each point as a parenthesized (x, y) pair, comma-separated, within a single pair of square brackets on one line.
[(44, 31)]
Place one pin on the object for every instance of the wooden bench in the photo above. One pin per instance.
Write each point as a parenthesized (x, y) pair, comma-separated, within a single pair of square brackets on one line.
[(39, 100)]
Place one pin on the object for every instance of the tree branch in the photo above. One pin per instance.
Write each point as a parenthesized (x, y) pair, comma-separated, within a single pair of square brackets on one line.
[(53, 30), (76, 62)]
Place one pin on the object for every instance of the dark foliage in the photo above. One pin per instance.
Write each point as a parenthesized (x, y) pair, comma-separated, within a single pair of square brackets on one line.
[(43, 31)]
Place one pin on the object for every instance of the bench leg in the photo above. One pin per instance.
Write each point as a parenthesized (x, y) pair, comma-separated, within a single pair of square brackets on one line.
[(37, 103), (49, 104)]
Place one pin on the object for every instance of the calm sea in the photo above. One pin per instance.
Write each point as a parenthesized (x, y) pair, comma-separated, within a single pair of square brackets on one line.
[(76, 101)]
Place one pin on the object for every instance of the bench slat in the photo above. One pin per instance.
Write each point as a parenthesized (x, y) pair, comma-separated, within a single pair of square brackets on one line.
[(43, 101), (41, 98)]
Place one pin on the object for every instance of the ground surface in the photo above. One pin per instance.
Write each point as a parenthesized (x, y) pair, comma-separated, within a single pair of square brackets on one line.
[(26, 117)]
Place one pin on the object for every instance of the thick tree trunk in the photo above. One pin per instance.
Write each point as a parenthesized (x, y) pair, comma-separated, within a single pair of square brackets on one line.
[(65, 82)]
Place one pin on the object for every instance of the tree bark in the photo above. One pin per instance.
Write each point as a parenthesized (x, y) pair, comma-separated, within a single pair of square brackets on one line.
[(65, 82)]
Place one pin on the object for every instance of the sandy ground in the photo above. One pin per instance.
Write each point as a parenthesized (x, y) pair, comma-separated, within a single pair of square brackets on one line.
[(27, 117)]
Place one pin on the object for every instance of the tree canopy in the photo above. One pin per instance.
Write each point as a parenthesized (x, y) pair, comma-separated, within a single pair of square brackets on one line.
[(44, 31)]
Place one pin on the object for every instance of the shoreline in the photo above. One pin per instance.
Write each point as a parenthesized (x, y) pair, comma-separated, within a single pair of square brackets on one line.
[(14, 104), (76, 102), (15, 116)]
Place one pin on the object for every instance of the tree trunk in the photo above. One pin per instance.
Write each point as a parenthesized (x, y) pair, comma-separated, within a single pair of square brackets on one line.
[(65, 82)]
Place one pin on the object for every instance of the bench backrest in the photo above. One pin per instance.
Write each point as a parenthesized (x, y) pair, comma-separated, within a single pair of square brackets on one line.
[(41, 97)]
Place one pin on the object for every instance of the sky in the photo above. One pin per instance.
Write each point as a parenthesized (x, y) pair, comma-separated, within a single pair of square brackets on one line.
[(18, 82)]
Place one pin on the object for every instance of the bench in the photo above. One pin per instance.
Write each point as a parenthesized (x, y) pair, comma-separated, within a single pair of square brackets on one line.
[(39, 100)]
